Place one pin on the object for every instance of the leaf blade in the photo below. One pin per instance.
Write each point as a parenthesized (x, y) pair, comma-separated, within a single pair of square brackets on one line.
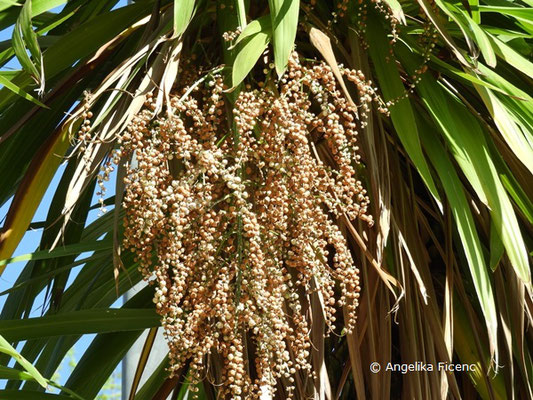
[(401, 113), (183, 12), (6, 348), (247, 56), (284, 15), (80, 322), (15, 89)]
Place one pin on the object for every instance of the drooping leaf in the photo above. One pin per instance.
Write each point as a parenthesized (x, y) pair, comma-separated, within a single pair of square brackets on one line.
[(30, 193), (4, 80), (68, 250), (84, 40), (464, 222), (511, 56), (401, 112), (262, 24), (284, 15), (474, 31), (25, 38), (183, 12), (248, 52), (79, 322), (508, 127), (437, 22), (6, 348), (468, 145)]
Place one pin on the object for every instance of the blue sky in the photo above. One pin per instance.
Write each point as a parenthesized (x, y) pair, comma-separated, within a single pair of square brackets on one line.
[(32, 238)]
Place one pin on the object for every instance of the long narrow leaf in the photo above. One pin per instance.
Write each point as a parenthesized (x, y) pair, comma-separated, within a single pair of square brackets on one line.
[(468, 145), (464, 222), (30, 395), (183, 11), (284, 15), (68, 250), (401, 112), (248, 53), (79, 322), (6, 348), (15, 89)]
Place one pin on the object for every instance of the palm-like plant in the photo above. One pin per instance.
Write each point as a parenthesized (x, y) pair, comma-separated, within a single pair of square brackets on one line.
[(445, 268)]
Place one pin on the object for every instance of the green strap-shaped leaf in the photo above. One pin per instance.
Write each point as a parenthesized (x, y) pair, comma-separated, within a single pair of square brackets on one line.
[(511, 56), (16, 374), (469, 146), (28, 34), (241, 13), (473, 30), (68, 250), (30, 395), (261, 24), (79, 322), (284, 15), (105, 352), (402, 114), (99, 361), (467, 346), (496, 248), (12, 373), (6, 348), (521, 13), (183, 12), (25, 38), (4, 80), (5, 4), (46, 276), (248, 52), (83, 41), (508, 127), (464, 221), (88, 293), (474, 11)]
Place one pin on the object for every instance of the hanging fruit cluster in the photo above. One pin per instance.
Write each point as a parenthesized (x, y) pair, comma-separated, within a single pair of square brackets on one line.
[(232, 211)]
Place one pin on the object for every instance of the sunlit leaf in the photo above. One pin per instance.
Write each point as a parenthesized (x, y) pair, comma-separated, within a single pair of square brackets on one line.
[(468, 145), (262, 24), (6, 348), (248, 52), (401, 112), (25, 38), (183, 12), (6, 81), (284, 15)]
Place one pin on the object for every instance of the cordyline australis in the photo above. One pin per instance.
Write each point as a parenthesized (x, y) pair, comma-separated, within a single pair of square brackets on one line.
[(237, 192), (231, 213)]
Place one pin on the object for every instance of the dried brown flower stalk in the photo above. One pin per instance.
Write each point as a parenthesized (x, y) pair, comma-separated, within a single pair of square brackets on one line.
[(231, 215)]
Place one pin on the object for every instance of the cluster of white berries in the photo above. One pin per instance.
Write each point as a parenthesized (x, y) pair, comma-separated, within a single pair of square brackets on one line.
[(232, 216)]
